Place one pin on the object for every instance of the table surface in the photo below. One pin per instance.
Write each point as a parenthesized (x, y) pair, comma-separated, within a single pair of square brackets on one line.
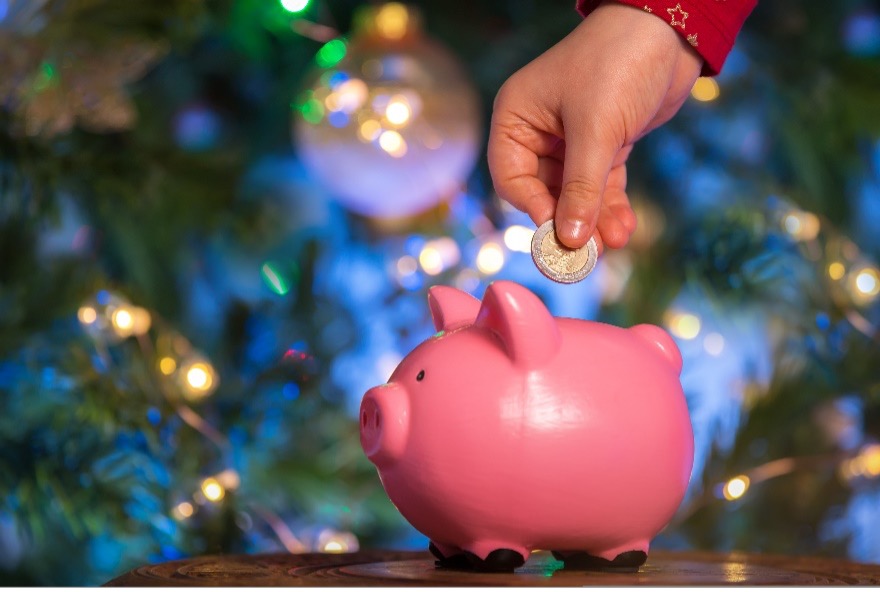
[(407, 568)]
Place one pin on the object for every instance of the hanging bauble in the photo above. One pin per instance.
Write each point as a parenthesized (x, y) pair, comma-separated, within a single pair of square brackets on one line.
[(389, 121)]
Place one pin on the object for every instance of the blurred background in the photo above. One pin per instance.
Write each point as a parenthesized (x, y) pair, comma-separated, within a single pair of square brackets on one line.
[(219, 220)]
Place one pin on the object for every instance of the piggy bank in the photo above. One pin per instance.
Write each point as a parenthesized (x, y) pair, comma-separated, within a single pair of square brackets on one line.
[(512, 430)]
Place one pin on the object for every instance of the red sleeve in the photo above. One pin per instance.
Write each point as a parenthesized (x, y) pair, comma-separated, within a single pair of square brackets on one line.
[(710, 26)]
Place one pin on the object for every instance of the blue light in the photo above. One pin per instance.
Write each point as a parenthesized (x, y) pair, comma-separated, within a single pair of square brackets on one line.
[(154, 416), (197, 128), (338, 119), (861, 34), (103, 297), (290, 391), (336, 79), (823, 321)]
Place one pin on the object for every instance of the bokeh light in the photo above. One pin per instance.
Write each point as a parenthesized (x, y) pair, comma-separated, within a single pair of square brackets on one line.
[(836, 270), (801, 226), (87, 315), (736, 488), (331, 53), (183, 510), (295, 6), (705, 89), (213, 490), (490, 258), (519, 238), (439, 255), (198, 379), (683, 325), (713, 343), (392, 143), (392, 20)]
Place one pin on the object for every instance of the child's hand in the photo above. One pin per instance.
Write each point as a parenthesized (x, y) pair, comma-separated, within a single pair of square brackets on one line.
[(564, 124)]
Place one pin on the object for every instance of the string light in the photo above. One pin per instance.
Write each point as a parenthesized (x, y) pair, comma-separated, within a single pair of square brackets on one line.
[(490, 258), (331, 541), (87, 315), (438, 255), (295, 6), (369, 130), (736, 488), (198, 379), (864, 284), (398, 111), (713, 343), (683, 325), (392, 20), (518, 238), (836, 270), (705, 89), (392, 143), (801, 226), (183, 510), (167, 365), (213, 490)]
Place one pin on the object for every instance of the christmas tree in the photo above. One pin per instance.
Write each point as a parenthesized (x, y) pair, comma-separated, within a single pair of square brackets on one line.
[(218, 223)]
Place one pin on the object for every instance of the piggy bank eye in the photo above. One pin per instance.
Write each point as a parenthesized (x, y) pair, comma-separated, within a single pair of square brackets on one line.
[(420, 375)]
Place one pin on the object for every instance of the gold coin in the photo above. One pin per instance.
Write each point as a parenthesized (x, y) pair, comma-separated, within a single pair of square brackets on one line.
[(558, 262)]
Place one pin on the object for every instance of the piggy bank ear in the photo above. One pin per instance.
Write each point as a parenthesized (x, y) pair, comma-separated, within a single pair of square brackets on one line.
[(662, 341), (451, 308), (526, 328)]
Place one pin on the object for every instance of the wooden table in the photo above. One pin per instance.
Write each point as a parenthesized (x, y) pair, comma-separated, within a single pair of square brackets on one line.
[(404, 568)]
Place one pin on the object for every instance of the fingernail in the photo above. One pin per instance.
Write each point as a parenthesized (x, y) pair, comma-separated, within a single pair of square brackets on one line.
[(571, 232)]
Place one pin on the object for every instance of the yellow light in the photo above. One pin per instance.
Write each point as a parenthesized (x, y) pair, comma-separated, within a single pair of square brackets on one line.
[(431, 261), (736, 488), (369, 130), (213, 490), (438, 255), (123, 322), (140, 320), (183, 510), (705, 89), (713, 343), (836, 270), (229, 479), (392, 20), (518, 238), (392, 143), (867, 282), (490, 258), (332, 102), (333, 547), (398, 112), (351, 94), (167, 366), (801, 226), (87, 315), (198, 378), (407, 265), (870, 460), (683, 325)]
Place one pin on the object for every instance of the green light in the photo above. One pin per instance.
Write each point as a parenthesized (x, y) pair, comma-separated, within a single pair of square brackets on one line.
[(274, 280), (45, 78), (331, 53), (312, 111), (295, 5)]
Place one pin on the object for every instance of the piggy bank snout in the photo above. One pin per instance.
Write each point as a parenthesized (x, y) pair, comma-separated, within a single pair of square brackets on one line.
[(384, 423)]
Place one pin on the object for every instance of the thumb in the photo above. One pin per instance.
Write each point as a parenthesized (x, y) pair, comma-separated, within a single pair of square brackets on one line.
[(589, 157)]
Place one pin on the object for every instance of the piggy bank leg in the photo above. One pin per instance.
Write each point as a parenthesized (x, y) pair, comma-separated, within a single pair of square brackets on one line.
[(449, 557), (492, 556), (626, 558)]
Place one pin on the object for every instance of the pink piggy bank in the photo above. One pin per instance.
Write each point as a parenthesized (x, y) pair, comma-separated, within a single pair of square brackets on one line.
[(512, 430)]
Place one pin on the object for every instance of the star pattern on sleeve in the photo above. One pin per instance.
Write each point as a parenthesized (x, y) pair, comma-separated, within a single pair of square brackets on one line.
[(672, 14)]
